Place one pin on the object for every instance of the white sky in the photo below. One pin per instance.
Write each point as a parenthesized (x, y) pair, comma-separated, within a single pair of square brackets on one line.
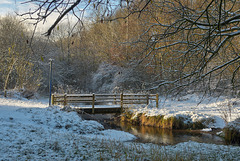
[(16, 6)]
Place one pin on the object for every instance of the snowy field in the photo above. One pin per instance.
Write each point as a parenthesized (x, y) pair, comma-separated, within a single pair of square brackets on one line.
[(30, 130)]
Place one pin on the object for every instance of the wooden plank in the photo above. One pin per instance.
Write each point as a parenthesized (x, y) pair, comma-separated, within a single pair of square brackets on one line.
[(113, 98), (85, 97), (134, 95), (147, 99), (79, 98), (134, 99), (93, 102), (152, 98), (101, 110), (99, 101), (152, 95), (57, 101), (121, 100), (76, 101), (105, 95), (134, 103), (65, 100), (52, 99), (157, 100), (79, 95), (56, 96)]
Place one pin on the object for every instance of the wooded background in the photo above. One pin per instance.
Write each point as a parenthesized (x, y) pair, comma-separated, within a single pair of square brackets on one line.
[(170, 47)]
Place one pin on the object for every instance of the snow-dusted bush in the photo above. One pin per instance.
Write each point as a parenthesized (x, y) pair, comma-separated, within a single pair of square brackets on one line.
[(112, 78), (103, 79)]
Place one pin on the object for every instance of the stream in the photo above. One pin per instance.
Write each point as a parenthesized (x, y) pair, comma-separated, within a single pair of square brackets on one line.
[(155, 135), (146, 134)]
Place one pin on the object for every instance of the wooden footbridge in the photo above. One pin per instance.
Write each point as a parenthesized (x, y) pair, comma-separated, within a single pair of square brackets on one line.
[(102, 103)]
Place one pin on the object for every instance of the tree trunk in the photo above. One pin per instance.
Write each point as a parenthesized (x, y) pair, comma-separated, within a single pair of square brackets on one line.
[(7, 78)]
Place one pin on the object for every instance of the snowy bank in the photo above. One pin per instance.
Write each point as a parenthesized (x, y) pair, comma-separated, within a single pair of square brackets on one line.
[(213, 113), (31, 129)]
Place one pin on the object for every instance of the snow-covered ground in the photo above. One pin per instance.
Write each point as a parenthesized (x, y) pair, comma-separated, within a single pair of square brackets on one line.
[(30, 130), (217, 112)]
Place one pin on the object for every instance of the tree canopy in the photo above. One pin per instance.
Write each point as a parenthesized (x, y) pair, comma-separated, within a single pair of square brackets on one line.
[(178, 42)]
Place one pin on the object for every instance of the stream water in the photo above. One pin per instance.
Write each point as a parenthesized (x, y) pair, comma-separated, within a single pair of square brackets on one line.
[(155, 135), (167, 136)]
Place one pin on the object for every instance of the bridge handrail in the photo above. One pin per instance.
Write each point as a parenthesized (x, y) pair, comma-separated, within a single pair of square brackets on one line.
[(110, 98)]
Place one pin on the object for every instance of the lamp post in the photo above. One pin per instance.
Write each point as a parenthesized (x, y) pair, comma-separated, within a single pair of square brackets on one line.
[(50, 81)]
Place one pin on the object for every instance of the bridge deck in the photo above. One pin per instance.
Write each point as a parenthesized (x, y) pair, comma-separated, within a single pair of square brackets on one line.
[(99, 109)]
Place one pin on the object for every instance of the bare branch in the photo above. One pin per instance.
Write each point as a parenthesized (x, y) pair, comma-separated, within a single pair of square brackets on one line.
[(61, 17)]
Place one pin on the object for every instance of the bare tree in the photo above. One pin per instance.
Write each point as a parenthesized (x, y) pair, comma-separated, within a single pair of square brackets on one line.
[(199, 38), (44, 8), (188, 40), (17, 68)]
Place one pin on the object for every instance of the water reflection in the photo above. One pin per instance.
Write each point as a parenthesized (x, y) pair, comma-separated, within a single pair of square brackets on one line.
[(166, 136)]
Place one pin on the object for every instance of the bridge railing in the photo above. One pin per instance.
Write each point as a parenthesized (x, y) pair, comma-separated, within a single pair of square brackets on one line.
[(113, 99)]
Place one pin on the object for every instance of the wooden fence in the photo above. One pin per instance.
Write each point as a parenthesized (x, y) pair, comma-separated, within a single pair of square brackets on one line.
[(104, 99)]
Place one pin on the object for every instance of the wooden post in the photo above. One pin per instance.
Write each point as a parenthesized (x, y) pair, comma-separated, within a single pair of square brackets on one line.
[(147, 99), (115, 99), (121, 100), (156, 100), (65, 100), (93, 102), (52, 100)]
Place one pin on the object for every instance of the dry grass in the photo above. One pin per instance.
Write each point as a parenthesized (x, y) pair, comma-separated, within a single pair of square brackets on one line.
[(159, 121), (231, 135)]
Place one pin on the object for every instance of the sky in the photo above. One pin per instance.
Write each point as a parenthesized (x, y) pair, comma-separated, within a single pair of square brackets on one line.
[(17, 6), (11, 6), (6, 6)]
